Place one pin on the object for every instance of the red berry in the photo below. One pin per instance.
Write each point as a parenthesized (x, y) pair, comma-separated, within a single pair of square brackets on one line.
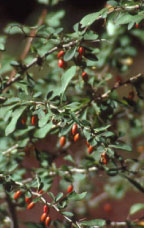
[(61, 63), (27, 199), (60, 54), (45, 208), (76, 137), (30, 205), (84, 76), (81, 50), (40, 191), (47, 220), (24, 119), (104, 158), (62, 141), (137, 25), (90, 149), (43, 217), (69, 189), (34, 120), (17, 194), (74, 128)]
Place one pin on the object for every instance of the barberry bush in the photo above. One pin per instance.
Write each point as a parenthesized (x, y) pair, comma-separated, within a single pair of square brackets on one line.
[(72, 109)]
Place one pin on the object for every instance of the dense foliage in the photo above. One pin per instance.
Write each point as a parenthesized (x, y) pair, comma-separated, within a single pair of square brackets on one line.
[(75, 87)]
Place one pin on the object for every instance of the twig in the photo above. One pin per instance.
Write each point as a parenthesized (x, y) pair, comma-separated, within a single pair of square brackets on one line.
[(12, 211), (118, 85), (29, 41)]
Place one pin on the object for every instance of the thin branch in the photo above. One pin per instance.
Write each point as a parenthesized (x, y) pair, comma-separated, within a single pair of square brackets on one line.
[(12, 211), (120, 84)]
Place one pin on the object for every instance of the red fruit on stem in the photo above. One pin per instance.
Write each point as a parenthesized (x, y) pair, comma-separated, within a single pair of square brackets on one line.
[(81, 50), (69, 189), (43, 217), (76, 137), (30, 205), (24, 119), (45, 208), (27, 199), (74, 128), (47, 220), (137, 25), (84, 76), (40, 191), (17, 194), (62, 141), (61, 63), (34, 120), (104, 158), (90, 149), (60, 54)]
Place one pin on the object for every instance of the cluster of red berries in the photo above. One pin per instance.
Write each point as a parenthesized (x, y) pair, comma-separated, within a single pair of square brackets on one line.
[(30, 204), (61, 62), (34, 120), (45, 218), (62, 141), (28, 200), (76, 137)]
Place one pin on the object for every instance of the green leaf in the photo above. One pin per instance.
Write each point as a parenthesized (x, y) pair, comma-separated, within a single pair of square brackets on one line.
[(33, 225), (92, 17), (112, 3), (70, 54), (94, 222), (67, 77), (15, 116), (76, 197), (122, 147), (68, 214), (69, 158), (90, 35), (42, 132), (59, 196), (136, 207)]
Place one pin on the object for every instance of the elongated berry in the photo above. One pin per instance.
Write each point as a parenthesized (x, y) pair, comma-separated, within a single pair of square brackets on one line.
[(90, 149), (27, 199), (76, 137), (81, 50), (62, 141), (47, 221), (70, 188), (17, 194), (61, 63), (84, 76), (30, 205), (34, 120), (45, 208), (137, 25), (43, 217), (60, 54), (74, 128), (104, 158), (40, 191)]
